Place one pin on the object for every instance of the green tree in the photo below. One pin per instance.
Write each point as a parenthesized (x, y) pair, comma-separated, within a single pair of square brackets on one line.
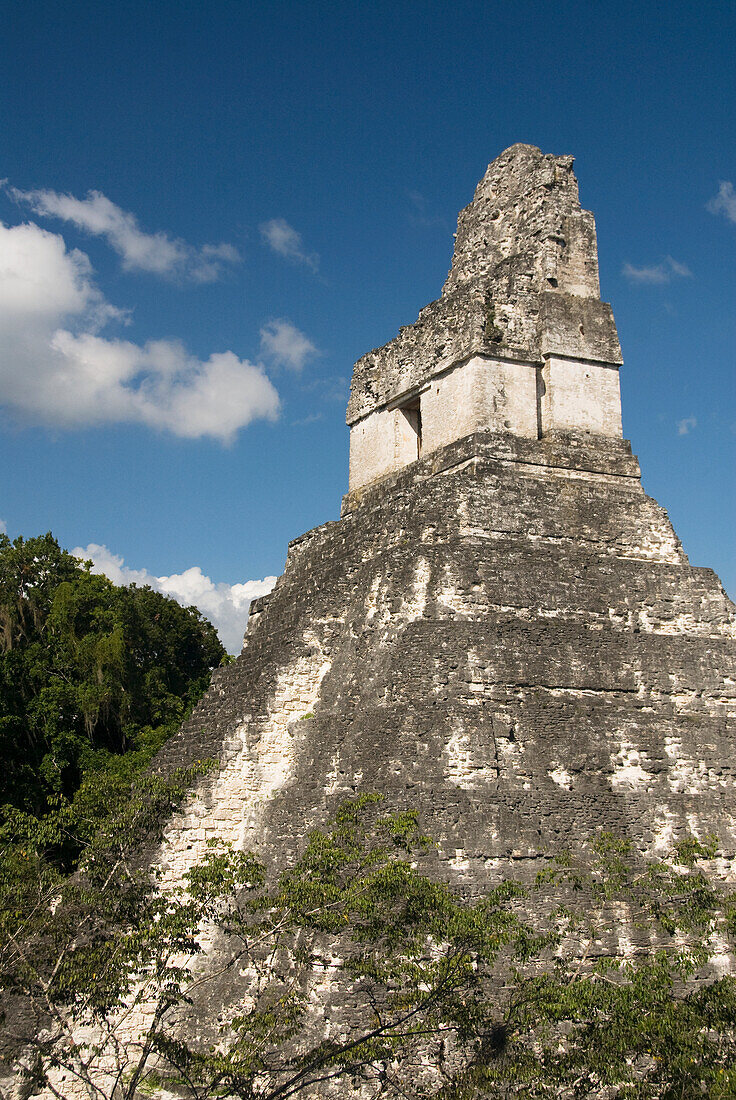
[(517, 993), (88, 672)]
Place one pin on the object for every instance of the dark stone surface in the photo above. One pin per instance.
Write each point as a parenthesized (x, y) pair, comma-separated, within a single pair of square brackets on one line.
[(517, 647), (500, 594)]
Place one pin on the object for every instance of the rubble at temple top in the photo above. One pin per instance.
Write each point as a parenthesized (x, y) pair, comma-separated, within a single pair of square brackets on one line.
[(526, 208)]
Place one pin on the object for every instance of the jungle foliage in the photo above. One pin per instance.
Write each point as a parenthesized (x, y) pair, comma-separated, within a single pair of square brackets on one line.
[(93, 677), (513, 994)]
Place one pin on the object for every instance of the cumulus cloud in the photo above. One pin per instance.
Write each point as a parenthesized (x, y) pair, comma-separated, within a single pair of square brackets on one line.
[(41, 281), (686, 425), (56, 369), (724, 202), (663, 272), (158, 384), (3, 527), (286, 241), (225, 605), (286, 344), (157, 253)]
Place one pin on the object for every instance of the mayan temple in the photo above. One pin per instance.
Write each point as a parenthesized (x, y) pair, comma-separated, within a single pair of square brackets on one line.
[(502, 629)]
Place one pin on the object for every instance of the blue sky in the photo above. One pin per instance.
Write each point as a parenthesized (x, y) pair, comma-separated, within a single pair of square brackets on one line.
[(226, 204)]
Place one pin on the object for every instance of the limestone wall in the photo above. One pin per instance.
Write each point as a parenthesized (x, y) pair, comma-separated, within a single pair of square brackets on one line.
[(485, 394), (581, 396)]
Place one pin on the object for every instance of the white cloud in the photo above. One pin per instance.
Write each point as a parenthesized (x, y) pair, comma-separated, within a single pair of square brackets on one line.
[(686, 425), (286, 345), (286, 241), (657, 273), (158, 384), (678, 269), (56, 369), (41, 281), (140, 251), (420, 213), (3, 527), (225, 605), (724, 202)]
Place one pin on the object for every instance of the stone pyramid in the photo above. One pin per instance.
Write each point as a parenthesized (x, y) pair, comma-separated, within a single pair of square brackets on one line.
[(502, 630)]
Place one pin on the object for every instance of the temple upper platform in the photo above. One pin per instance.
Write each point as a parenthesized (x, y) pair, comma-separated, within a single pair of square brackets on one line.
[(519, 341)]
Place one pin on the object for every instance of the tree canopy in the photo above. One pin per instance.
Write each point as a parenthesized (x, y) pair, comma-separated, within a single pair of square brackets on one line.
[(89, 671), (519, 993)]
